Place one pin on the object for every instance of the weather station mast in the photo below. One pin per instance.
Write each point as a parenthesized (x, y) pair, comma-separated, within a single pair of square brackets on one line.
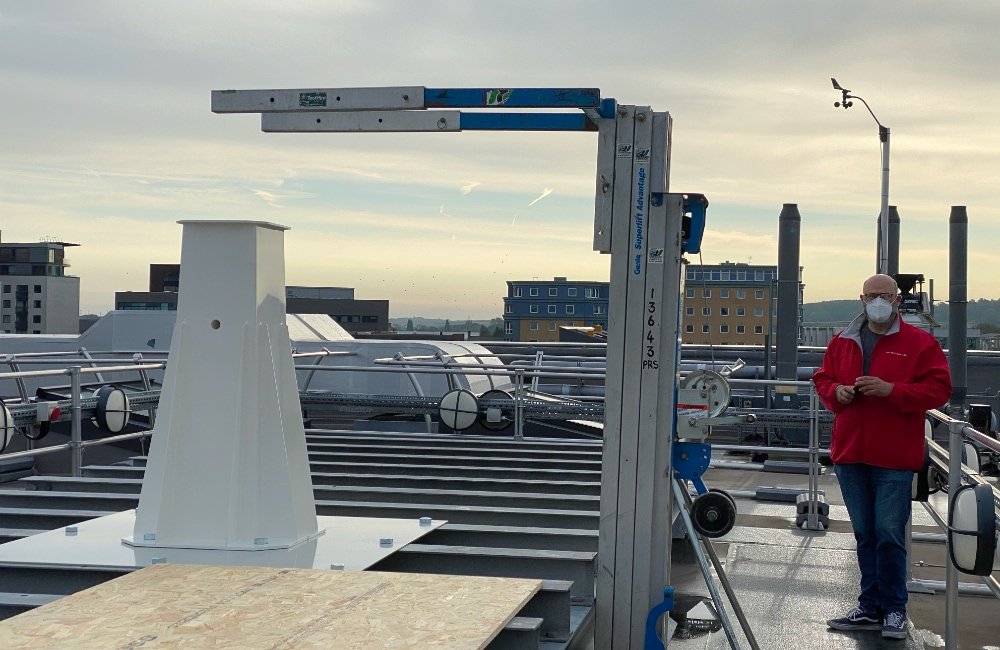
[(882, 265)]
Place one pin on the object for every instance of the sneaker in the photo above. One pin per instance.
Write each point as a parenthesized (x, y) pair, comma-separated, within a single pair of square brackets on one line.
[(858, 618), (894, 625)]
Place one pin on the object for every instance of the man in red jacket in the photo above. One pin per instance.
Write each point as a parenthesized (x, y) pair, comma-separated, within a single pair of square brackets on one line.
[(878, 377)]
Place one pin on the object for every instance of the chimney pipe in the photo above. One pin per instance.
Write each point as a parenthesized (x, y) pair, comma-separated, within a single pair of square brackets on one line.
[(787, 354), (958, 272), (893, 263)]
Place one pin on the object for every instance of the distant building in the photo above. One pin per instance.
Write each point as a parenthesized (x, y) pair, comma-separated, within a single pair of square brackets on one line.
[(731, 303), (36, 295), (164, 280), (319, 293), (533, 310), (164, 277), (337, 302), (340, 304)]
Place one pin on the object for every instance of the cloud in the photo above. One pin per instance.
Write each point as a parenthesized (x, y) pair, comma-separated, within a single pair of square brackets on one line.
[(754, 127), (545, 192), (267, 197)]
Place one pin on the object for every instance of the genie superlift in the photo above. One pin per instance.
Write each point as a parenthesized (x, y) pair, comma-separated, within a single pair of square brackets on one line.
[(646, 231)]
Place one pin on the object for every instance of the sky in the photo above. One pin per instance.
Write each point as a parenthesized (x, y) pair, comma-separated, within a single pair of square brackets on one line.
[(107, 138)]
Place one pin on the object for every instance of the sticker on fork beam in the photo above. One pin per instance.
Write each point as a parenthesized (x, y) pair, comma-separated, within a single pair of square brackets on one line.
[(624, 151), (655, 256), (312, 100), (497, 97)]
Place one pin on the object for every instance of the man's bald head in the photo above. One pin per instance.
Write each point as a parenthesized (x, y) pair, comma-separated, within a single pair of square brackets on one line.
[(880, 283)]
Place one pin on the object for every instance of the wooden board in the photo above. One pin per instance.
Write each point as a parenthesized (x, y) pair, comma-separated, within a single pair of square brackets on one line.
[(193, 606)]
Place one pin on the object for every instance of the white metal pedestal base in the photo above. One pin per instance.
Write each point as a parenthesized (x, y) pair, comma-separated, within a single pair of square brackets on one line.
[(351, 543)]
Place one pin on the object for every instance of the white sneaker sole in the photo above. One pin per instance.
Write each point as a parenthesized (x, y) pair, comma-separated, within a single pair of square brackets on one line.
[(855, 627)]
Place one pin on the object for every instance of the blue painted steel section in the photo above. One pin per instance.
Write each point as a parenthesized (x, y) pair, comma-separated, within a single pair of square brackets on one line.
[(653, 640), (512, 97), (695, 205), (691, 460), (608, 107), (526, 122)]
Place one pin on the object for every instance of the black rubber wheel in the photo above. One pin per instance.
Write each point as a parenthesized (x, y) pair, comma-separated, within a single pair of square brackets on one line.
[(725, 494), (713, 514)]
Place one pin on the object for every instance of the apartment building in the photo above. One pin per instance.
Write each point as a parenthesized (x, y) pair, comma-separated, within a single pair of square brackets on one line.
[(535, 309), (36, 295), (732, 303)]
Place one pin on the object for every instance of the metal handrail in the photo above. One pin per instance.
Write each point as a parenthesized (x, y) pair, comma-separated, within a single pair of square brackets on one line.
[(76, 443), (958, 431), (159, 365), (470, 370)]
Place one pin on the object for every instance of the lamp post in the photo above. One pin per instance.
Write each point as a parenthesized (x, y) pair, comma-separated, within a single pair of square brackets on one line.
[(883, 135)]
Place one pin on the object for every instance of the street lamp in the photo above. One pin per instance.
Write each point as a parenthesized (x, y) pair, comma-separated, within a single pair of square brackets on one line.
[(883, 136)]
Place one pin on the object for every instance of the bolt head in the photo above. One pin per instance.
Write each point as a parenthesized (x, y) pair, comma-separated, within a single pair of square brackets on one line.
[(71, 530), (260, 541), (159, 559), (149, 537), (426, 521), (385, 541), (336, 567)]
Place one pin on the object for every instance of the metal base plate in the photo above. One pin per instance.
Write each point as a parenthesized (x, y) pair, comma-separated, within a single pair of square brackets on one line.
[(353, 542)]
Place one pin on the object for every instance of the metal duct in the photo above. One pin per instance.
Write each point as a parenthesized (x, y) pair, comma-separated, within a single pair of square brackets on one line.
[(787, 336)]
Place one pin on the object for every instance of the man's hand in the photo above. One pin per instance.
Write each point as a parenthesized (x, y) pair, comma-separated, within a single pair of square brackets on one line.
[(845, 394), (873, 386)]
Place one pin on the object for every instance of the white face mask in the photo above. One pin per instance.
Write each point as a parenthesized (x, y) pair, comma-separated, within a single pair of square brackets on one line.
[(879, 310)]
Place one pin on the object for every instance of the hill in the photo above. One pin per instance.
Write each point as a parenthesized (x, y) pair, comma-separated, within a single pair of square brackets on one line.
[(830, 311), (983, 313), (421, 324)]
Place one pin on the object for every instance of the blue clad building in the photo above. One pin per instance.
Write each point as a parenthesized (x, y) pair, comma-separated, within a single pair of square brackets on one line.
[(533, 310)]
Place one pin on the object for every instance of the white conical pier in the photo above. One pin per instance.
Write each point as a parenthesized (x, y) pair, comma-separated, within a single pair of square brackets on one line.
[(228, 467)]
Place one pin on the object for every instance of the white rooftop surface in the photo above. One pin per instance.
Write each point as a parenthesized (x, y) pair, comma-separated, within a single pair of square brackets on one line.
[(354, 542)]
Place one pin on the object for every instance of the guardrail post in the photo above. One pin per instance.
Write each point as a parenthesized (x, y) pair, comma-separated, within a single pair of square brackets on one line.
[(955, 428), (813, 516), (146, 385), (538, 370), (518, 403), (76, 431)]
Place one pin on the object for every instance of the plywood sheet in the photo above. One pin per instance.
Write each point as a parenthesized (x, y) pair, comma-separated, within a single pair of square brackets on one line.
[(191, 606)]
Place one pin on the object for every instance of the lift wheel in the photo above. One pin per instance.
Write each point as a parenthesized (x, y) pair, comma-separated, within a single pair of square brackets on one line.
[(713, 513)]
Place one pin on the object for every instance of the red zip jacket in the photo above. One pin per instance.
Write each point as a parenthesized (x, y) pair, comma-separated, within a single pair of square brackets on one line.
[(883, 431)]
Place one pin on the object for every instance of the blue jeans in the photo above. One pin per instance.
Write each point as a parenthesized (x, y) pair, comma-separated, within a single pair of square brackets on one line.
[(878, 501)]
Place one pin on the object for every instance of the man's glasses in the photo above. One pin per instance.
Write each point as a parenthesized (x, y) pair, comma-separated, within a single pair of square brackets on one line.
[(888, 297)]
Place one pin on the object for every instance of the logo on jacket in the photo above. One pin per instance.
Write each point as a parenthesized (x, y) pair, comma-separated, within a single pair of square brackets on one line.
[(898, 354)]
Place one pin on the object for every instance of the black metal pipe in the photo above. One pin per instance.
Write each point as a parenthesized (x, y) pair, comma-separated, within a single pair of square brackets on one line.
[(787, 335), (958, 296), (893, 264)]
